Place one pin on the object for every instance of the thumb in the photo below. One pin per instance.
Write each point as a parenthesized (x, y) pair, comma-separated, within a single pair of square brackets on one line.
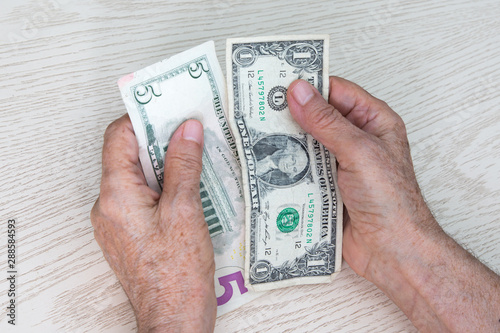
[(183, 162), (325, 123)]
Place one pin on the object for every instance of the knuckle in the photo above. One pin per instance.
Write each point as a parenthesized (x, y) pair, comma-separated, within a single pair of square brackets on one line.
[(395, 123), (185, 164), (400, 126), (108, 134), (324, 117), (104, 207), (112, 127), (94, 213), (99, 220), (116, 128), (383, 104), (397, 127)]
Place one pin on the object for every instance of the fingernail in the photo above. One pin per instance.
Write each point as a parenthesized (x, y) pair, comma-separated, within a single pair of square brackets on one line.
[(302, 92), (193, 131)]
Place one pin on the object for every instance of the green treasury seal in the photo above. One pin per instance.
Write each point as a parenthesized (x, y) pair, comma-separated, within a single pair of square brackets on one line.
[(287, 220)]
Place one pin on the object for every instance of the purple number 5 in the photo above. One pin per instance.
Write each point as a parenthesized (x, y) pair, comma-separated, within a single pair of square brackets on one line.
[(225, 281)]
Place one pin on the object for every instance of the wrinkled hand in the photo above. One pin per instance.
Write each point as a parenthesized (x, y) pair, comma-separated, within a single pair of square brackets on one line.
[(158, 245), (390, 235), (375, 172)]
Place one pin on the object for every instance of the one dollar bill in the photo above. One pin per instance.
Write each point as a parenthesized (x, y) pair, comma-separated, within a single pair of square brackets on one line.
[(158, 99), (293, 207)]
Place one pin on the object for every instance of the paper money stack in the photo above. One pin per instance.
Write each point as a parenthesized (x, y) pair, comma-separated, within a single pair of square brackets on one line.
[(288, 186)]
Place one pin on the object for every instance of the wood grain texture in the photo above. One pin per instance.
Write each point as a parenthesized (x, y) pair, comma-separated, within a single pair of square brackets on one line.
[(436, 63)]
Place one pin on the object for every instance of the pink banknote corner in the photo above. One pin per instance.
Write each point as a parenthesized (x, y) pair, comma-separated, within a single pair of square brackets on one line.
[(126, 79)]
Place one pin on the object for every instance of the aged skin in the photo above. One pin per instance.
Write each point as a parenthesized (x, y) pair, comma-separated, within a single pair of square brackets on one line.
[(158, 245), (390, 235), (160, 249)]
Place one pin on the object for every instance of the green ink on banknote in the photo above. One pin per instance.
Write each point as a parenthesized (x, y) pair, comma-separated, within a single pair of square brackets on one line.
[(287, 220), (262, 98)]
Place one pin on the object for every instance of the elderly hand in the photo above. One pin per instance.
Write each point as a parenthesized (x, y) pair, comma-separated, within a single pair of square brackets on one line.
[(375, 173), (390, 235), (158, 245)]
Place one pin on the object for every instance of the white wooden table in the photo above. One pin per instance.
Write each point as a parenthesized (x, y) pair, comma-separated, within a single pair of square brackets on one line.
[(437, 63)]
